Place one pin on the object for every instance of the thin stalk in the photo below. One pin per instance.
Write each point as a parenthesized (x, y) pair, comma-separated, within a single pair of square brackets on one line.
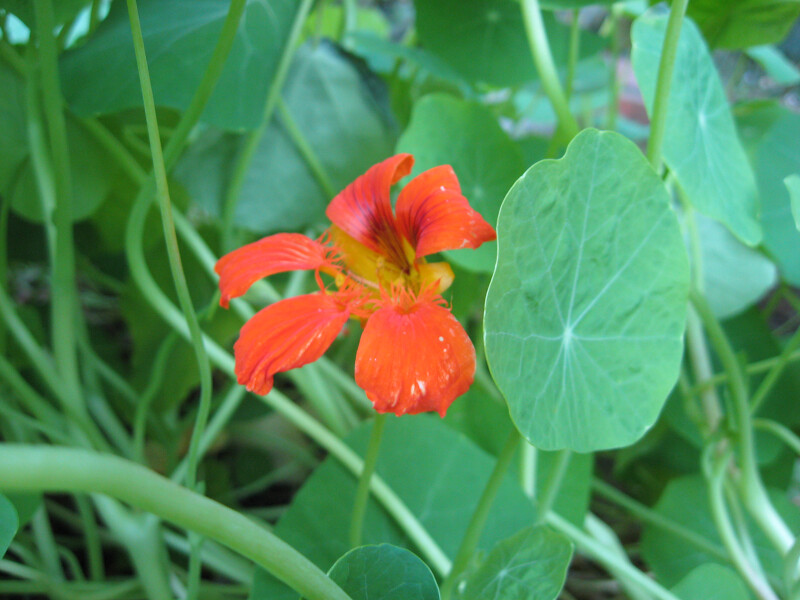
[(775, 372), (20, 419), (252, 140), (94, 16), (153, 385), (527, 468), (362, 491), (753, 368), (550, 490), (752, 488), (701, 366), (543, 58), (46, 544), (64, 298), (476, 524), (574, 52), (91, 533), (786, 435), (669, 51), (305, 149), (29, 397), (720, 514), (650, 516), (598, 552), (58, 469), (613, 75), (171, 239)]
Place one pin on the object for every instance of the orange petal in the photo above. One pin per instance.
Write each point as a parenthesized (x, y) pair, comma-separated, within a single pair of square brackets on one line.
[(434, 216), (277, 253), (414, 359), (286, 335), (363, 210)]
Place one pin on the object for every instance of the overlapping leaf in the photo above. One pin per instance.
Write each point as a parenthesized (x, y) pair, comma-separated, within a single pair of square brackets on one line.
[(586, 310), (9, 522), (702, 148), (179, 35), (735, 24)]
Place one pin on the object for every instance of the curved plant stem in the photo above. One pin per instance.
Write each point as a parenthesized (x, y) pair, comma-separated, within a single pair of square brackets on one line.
[(574, 51), (600, 553), (716, 482), (473, 533), (362, 491), (245, 157), (543, 58), (775, 372), (548, 494), (786, 435), (173, 252), (527, 467), (613, 76), (658, 122), (59, 469)]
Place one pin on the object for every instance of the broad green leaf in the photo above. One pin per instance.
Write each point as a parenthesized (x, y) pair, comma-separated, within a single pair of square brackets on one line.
[(734, 276), (100, 77), (735, 24), (712, 582), (340, 113), (530, 565), (9, 523), (13, 132), (384, 572), (776, 157), (446, 130), (775, 64), (92, 175), (792, 184), (437, 472), (485, 40), (685, 501), (701, 146), (25, 504), (586, 310)]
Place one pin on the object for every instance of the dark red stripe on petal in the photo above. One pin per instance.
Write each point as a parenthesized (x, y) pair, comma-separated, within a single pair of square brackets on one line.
[(414, 359), (433, 215), (239, 269), (286, 335), (363, 209)]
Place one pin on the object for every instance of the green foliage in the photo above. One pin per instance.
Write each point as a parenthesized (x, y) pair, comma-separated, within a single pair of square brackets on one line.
[(793, 186), (737, 24), (384, 572), (711, 582), (530, 565), (100, 77), (446, 130), (9, 523), (571, 332), (702, 148)]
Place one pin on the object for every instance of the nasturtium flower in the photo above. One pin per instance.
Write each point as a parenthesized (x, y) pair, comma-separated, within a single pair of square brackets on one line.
[(414, 356)]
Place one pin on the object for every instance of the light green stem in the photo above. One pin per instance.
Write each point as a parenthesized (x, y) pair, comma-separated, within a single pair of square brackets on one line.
[(574, 51), (476, 524), (91, 533), (543, 58), (252, 140), (527, 468), (783, 433), (59, 469), (46, 543), (669, 51), (597, 551), (173, 252), (547, 497), (362, 491), (775, 372), (613, 76)]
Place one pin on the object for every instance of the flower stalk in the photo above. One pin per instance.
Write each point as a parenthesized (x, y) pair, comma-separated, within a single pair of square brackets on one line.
[(362, 491)]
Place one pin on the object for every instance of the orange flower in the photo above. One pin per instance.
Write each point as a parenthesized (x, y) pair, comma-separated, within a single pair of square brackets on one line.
[(414, 356)]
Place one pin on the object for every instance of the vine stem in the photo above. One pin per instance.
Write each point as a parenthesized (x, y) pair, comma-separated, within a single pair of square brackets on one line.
[(600, 553), (60, 469), (362, 492), (475, 528), (665, 68), (547, 497), (543, 58), (171, 239)]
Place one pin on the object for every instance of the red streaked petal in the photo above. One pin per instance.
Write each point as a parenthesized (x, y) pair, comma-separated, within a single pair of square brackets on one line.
[(414, 360), (277, 253), (363, 210), (434, 216), (286, 335)]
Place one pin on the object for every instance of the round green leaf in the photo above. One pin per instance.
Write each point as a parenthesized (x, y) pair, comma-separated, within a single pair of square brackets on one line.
[(9, 523), (384, 572), (586, 310), (531, 565), (735, 24), (100, 76), (447, 130), (701, 147), (712, 582)]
